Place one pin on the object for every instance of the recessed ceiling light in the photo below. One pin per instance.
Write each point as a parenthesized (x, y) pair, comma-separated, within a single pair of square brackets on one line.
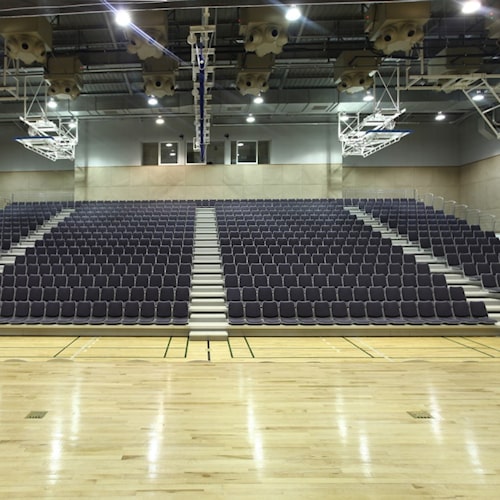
[(122, 18), (169, 144), (52, 104), (470, 6), (240, 144), (250, 118), (293, 13), (368, 96), (160, 120), (258, 99), (152, 101), (440, 116), (478, 96)]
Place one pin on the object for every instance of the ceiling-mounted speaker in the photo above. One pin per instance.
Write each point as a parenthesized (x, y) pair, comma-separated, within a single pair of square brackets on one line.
[(27, 39), (397, 26), (160, 76), (253, 77), (264, 28), (151, 37), (353, 70), (64, 75)]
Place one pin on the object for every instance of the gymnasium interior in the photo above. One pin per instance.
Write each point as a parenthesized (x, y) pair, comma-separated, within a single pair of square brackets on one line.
[(249, 250)]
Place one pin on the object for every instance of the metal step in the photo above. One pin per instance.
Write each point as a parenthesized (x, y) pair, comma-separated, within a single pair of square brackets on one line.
[(208, 335)]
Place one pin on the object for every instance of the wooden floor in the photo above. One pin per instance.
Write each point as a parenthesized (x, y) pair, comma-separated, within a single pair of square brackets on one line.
[(252, 418)]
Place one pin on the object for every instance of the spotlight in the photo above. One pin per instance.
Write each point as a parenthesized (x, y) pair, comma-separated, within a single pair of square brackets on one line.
[(368, 96), (470, 6), (52, 104), (258, 99), (72, 123), (478, 96), (160, 120), (122, 18), (152, 101), (343, 117), (293, 13), (250, 118), (440, 116)]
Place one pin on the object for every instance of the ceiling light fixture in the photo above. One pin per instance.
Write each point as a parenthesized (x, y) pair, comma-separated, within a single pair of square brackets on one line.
[(160, 120), (470, 6), (52, 104), (152, 101), (440, 116), (478, 96), (250, 118), (72, 123), (122, 18), (293, 13), (258, 99), (343, 117), (368, 96)]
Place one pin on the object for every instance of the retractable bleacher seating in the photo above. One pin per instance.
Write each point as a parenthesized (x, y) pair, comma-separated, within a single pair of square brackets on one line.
[(310, 262), (108, 263)]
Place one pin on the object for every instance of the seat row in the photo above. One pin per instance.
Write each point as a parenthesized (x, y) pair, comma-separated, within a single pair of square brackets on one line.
[(103, 259), (99, 280), (344, 259), (120, 269), (358, 313), (345, 294), (93, 293), (335, 280), (94, 313)]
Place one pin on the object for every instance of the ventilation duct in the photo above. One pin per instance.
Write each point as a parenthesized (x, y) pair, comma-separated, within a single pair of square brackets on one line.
[(150, 38), (493, 27), (64, 77), (254, 73), (159, 76), (456, 61), (27, 39), (353, 70), (264, 28), (397, 27)]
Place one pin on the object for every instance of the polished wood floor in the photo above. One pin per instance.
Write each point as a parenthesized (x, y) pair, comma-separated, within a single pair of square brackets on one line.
[(252, 418)]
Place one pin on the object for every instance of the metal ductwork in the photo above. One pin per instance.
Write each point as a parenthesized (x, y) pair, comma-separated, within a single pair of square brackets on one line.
[(354, 69), (264, 28), (395, 26), (64, 77), (151, 36), (159, 76), (254, 73), (455, 61), (27, 39)]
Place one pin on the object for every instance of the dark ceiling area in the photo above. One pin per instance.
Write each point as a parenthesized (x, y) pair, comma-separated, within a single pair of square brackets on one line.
[(302, 86)]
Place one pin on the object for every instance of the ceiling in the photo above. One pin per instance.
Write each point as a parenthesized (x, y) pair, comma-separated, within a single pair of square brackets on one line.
[(302, 85)]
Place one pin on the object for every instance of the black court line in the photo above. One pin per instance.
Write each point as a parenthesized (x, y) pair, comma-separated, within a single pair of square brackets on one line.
[(477, 349), (358, 347), (249, 348), (166, 349), (229, 345), (208, 350), (65, 347)]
